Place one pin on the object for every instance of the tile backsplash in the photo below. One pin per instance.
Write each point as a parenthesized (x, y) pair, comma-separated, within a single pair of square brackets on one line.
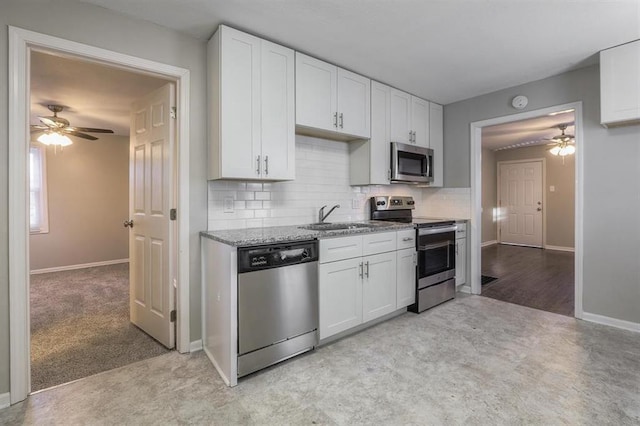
[(322, 178)]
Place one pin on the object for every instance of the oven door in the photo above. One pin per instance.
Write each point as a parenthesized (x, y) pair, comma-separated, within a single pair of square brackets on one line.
[(436, 255)]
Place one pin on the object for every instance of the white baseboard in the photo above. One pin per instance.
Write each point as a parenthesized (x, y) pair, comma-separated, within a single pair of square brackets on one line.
[(195, 346), (5, 400), (81, 266), (612, 322), (464, 288), (488, 243), (559, 248)]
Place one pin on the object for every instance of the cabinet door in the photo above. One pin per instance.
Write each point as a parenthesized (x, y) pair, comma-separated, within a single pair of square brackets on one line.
[(240, 104), (461, 261), (406, 277), (420, 121), (436, 142), (400, 116), (620, 83), (379, 285), (340, 296), (354, 104), (316, 90), (278, 112)]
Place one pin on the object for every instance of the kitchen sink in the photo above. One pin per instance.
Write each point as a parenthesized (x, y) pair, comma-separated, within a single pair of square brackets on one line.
[(336, 226)]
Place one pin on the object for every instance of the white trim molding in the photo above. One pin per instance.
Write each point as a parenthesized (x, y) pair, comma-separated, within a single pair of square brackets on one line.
[(559, 248), (475, 146), (5, 400), (78, 266), (195, 346), (489, 243), (611, 322), (21, 43)]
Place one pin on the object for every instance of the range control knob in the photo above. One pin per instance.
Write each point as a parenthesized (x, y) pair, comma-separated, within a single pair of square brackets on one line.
[(305, 254), (411, 202), (381, 203)]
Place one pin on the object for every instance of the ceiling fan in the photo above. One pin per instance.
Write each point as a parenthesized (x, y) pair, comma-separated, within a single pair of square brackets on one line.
[(562, 143), (57, 128)]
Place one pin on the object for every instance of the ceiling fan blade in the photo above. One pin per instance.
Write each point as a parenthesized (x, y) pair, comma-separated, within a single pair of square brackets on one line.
[(80, 135), (38, 127), (88, 129), (48, 121)]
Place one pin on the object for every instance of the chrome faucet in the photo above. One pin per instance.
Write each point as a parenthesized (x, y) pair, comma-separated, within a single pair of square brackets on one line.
[(322, 216)]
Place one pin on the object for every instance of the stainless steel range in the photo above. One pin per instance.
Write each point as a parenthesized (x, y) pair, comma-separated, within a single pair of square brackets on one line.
[(435, 244)]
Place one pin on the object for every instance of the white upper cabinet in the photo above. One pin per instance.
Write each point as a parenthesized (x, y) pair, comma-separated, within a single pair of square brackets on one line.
[(620, 85), (436, 142), (251, 102), (409, 119), (420, 121), (331, 100), (316, 93), (401, 130)]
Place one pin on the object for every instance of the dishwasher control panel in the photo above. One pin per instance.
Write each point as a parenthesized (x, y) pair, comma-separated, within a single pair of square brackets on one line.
[(277, 255)]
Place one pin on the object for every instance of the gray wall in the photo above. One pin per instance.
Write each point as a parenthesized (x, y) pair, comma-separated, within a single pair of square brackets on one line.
[(99, 27), (88, 194), (489, 195), (560, 205), (611, 272)]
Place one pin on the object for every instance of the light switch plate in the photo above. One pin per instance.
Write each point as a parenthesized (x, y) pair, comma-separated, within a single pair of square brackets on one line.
[(552, 188), (227, 205)]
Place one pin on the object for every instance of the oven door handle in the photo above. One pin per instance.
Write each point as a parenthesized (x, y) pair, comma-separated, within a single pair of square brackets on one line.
[(434, 246), (436, 230)]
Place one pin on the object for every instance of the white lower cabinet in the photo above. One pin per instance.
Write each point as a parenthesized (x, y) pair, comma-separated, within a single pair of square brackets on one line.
[(461, 254), (405, 277), (362, 285), (379, 285), (340, 296)]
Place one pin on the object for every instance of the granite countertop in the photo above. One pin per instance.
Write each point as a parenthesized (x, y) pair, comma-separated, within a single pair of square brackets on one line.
[(275, 234)]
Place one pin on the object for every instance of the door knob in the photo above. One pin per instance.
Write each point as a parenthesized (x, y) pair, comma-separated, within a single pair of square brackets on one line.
[(128, 223), (539, 209)]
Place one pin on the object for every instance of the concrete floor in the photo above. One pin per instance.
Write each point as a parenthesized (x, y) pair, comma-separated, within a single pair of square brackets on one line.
[(473, 361)]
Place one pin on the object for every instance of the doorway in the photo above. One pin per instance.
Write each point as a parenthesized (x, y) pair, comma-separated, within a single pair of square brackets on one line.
[(487, 216), (21, 44), (79, 198)]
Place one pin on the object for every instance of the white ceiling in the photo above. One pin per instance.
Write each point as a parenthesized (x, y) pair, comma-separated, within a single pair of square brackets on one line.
[(93, 95), (445, 50), (534, 131)]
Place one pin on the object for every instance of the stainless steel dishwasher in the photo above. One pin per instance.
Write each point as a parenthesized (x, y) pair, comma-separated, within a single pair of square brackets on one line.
[(277, 303)]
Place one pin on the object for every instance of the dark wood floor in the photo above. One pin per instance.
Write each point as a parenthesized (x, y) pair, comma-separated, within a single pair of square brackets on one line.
[(540, 279)]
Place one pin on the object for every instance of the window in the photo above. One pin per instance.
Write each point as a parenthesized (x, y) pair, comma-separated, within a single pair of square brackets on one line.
[(38, 211)]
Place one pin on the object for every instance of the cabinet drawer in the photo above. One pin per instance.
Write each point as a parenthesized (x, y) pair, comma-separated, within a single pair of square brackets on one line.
[(406, 239), (378, 243), (340, 248), (461, 230)]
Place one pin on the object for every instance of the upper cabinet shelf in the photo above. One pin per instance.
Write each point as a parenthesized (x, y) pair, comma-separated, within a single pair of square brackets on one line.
[(251, 106), (331, 101), (620, 85)]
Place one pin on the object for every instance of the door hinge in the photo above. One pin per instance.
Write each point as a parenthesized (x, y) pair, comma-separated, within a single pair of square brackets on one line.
[(173, 214), (173, 113), (173, 315)]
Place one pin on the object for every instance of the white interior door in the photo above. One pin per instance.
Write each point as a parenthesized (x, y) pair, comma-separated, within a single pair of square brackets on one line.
[(520, 203), (152, 142)]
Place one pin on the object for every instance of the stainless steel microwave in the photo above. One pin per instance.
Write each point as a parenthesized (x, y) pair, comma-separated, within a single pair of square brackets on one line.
[(411, 163)]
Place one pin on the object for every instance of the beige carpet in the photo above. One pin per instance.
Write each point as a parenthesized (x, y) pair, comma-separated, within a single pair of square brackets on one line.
[(80, 325)]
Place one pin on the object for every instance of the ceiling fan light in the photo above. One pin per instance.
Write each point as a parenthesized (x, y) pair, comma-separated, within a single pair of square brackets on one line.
[(569, 149), (54, 138), (555, 150)]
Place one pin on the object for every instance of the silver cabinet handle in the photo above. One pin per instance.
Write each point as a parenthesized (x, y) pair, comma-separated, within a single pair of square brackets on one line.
[(335, 119), (341, 121), (367, 270), (128, 223), (360, 267), (258, 165), (410, 136), (456, 249), (407, 239), (415, 259), (266, 164)]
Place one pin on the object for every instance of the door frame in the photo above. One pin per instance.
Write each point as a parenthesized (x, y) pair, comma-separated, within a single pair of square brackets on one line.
[(21, 42), (544, 193), (475, 145)]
